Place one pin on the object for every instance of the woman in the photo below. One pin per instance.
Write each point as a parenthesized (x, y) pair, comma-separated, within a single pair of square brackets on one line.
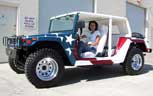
[(92, 40)]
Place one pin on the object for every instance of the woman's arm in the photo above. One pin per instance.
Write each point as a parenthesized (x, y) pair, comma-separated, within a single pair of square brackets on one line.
[(95, 43)]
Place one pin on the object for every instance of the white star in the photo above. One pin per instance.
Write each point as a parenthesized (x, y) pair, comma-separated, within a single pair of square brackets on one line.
[(69, 39), (69, 50)]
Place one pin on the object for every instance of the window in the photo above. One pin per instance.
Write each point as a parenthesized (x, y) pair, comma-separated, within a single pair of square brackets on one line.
[(64, 23)]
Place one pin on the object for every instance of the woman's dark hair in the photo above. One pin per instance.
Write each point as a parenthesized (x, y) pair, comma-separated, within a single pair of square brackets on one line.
[(95, 24)]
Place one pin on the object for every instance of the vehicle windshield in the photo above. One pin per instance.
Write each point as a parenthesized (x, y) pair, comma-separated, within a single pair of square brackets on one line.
[(63, 23)]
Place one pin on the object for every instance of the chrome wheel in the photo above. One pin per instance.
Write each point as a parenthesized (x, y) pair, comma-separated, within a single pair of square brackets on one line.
[(47, 69), (136, 62)]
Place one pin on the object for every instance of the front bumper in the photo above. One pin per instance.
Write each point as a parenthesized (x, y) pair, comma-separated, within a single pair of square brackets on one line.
[(11, 52), (13, 42)]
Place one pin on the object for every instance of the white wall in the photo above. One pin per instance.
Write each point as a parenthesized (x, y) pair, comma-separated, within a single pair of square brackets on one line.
[(25, 8), (113, 7), (28, 8)]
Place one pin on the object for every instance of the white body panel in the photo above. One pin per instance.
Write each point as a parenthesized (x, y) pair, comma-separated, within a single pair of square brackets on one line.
[(82, 63), (121, 50), (121, 54)]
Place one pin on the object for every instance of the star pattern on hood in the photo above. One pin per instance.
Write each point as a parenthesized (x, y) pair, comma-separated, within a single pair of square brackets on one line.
[(69, 39)]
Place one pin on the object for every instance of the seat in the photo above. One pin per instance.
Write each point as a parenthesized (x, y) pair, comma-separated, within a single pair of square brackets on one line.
[(100, 48)]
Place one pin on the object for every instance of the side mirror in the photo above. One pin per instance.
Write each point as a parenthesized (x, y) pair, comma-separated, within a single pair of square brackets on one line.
[(80, 25)]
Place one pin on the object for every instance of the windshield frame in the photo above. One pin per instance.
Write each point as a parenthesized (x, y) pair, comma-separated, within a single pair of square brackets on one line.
[(73, 26)]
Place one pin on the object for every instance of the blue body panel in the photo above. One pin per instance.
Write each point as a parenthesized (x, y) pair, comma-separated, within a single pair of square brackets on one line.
[(66, 39)]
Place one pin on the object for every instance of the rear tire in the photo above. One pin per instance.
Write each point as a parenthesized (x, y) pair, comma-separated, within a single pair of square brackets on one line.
[(19, 69), (134, 62), (44, 68)]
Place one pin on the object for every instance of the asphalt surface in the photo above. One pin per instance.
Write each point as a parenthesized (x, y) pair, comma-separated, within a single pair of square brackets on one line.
[(88, 81)]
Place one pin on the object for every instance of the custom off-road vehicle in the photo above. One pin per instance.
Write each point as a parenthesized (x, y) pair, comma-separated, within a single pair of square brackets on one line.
[(43, 57)]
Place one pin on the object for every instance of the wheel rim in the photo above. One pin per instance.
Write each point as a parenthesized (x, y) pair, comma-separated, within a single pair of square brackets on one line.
[(136, 62), (47, 69)]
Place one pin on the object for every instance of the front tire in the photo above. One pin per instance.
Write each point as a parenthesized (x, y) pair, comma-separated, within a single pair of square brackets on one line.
[(44, 68), (134, 62), (15, 66)]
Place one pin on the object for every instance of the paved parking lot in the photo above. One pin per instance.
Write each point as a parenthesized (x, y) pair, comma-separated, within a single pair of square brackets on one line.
[(104, 81)]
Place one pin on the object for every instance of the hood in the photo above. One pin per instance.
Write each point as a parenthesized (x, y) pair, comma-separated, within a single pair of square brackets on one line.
[(53, 34), (61, 37)]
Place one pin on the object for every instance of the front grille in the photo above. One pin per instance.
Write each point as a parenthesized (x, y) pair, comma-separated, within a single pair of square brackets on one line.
[(11, 41)]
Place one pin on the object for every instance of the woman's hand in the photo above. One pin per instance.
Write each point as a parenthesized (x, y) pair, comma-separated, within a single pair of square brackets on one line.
[(83, 36), (89, 43)]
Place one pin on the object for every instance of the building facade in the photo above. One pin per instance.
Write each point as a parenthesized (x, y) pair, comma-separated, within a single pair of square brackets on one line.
[(26, 17), (17, 17)]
